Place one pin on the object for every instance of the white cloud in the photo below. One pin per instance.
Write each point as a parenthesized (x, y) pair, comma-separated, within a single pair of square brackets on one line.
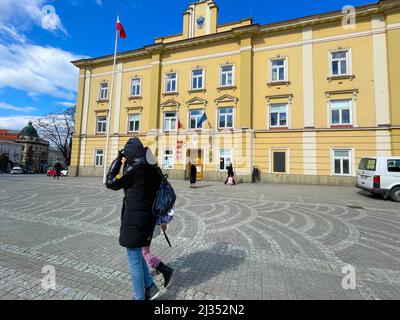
[(22, 14), (66, 104), (15, 122), (6, 106), (38, 70)]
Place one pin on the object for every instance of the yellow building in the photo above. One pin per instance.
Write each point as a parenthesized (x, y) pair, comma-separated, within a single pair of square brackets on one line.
[(300, 100)]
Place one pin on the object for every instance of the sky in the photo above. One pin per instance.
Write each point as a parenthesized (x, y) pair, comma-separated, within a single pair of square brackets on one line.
[(36, 76)]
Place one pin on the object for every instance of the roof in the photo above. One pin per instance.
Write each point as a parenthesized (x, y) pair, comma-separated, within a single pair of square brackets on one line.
[(29, 131), (8, 135)]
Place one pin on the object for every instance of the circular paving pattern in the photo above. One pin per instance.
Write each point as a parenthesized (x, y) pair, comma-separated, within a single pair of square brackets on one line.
[(229, 242)]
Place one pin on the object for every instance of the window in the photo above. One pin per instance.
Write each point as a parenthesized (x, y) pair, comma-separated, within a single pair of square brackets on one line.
[(170, 121), (278, 70), (104, 91), (278, 115), (393, 165), (279, 162), (225, 159), (99, 156), (340, 112), (101, 124), (136, 87), (340, 63), (168, 159), (198, 79), (171, 83), (134, 122), (341, 160), (367, 164), (227, 76), (195, 116), (225, 118)]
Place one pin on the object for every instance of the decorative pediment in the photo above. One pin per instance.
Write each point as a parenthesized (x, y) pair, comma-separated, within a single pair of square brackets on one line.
[(226, 98), (170, 103), (196, 100)]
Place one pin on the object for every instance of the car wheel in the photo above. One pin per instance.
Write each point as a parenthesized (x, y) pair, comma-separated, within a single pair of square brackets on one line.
[(395, 194)]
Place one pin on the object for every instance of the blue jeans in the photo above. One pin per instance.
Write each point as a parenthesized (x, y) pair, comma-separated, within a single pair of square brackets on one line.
[(139, 271)]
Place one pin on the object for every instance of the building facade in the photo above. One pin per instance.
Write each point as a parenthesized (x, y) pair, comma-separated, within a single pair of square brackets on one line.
[(302, 100), (12, 150), (34, 150)]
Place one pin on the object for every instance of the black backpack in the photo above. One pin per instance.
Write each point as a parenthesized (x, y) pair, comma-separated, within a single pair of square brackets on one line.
[(165, 198)]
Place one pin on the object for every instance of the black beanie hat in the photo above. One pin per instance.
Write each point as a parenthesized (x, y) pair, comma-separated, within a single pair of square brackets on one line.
[(134, 148)]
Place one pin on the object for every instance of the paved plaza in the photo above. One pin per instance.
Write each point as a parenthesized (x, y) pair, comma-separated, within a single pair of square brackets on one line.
[(250, 241)]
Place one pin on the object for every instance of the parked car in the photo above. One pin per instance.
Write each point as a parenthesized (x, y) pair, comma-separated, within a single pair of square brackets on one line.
[(380, 175), (17, 170)]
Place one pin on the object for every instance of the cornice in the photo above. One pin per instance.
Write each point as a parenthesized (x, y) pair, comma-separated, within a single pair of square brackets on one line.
[(238, 32)]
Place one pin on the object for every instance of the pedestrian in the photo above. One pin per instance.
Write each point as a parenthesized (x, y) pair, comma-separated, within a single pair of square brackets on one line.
[(156, 263), (140, 181), (193, 175), (57, 170), (230, 180)]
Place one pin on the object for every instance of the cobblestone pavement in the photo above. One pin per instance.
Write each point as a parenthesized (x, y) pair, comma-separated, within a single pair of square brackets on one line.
[(243, 242)]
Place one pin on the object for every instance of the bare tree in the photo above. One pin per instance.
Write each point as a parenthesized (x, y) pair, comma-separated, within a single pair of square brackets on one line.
[(58, 127)]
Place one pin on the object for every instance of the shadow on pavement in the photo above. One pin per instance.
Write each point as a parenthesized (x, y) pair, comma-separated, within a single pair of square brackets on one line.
[(199, 267)]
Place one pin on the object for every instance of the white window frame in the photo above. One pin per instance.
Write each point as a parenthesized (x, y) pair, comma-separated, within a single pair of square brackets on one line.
[(172, 156), (166, 82), (270, 106), (189, 122), (176, 121), (233, 117), (220, 156), (233, 75), (348, 63), (140, 87), (340, 113), (350, 158), (104, 122), (285, 66), (102, 89), (96, 156), (129, 121), (203, 75)]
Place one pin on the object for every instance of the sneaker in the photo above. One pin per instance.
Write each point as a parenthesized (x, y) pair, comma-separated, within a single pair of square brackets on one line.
[(151, 293)]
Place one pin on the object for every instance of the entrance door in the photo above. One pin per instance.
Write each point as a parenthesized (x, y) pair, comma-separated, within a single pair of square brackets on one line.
[(196, 157)]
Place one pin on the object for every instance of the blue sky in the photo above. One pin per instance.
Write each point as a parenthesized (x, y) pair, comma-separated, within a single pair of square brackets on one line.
[(36, 76)]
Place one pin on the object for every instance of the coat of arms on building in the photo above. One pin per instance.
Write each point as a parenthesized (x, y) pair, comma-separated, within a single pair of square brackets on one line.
[(200, 21)]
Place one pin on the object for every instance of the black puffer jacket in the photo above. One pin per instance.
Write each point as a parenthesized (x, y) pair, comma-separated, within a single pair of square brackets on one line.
[(140, 181)]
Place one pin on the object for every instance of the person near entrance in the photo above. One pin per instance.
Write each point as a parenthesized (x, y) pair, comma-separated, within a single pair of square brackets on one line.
[(193, 175), (230, 180)]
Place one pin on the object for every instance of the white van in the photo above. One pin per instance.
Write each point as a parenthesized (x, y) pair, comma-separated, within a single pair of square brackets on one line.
[(380, 175)]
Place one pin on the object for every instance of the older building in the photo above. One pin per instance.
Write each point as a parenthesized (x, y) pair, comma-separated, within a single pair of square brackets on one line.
[(301, 100), (34, 149)]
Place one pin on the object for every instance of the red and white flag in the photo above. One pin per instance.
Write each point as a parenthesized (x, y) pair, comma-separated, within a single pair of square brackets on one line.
[(120, 28)]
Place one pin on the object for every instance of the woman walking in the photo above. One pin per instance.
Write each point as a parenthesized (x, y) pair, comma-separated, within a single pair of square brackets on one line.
[(140, 181), (230, 180)]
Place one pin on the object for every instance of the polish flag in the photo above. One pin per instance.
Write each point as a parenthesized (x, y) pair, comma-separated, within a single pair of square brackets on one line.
[(121, 29)]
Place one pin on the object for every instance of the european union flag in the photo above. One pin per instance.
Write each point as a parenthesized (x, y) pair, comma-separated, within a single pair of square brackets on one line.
[(203, 119)]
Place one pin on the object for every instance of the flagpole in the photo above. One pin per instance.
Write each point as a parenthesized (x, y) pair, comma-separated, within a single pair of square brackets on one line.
[(110, 107)]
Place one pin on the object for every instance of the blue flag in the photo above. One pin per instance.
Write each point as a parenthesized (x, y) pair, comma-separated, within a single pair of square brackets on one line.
[(203, 118)]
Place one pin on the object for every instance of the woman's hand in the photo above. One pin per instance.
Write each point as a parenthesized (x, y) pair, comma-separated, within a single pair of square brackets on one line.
[(164, 227)]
